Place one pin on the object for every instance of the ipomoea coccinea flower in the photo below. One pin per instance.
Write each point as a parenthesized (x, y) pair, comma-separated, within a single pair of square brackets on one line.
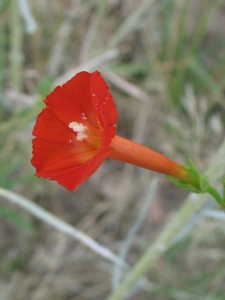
[(76, 132)]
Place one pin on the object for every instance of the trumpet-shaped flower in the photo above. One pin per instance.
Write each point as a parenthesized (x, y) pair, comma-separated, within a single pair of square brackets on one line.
[(76, 132)]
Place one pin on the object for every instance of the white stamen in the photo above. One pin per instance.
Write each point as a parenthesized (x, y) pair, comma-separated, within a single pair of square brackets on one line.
[(79, 128)]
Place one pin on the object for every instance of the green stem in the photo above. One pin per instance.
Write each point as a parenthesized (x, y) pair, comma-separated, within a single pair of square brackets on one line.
[(223, 194), (216, 195), (193, 204), (223, 183)]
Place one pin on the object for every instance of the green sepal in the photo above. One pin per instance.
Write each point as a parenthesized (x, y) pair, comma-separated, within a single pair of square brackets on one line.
[(197, 183)]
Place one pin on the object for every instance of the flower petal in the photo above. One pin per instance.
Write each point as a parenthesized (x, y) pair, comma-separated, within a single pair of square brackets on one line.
[(59, 162), (72, 101), (72, 178), (102, 100), (50, 127), (50, 156)]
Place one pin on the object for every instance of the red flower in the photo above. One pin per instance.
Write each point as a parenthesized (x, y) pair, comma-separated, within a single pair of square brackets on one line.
[(76, 132)]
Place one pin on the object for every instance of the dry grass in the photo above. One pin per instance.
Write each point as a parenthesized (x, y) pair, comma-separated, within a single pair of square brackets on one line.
[(164, 61)]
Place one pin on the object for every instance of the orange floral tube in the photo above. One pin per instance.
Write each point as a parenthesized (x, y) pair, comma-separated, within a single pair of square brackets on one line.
[(130, 152)]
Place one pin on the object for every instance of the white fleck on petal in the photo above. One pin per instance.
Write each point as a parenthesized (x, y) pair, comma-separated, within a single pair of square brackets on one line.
[(83, 116)]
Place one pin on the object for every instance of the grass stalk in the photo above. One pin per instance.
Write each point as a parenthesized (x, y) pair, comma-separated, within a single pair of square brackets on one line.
[(15, 45), (96, 27), (2, 55), (60, 225), (130, 23)]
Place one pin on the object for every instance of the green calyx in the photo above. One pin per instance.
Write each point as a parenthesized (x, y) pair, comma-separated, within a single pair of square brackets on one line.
[(198, 183)]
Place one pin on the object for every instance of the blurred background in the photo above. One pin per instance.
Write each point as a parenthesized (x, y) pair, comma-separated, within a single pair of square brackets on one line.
[(164, 63)]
